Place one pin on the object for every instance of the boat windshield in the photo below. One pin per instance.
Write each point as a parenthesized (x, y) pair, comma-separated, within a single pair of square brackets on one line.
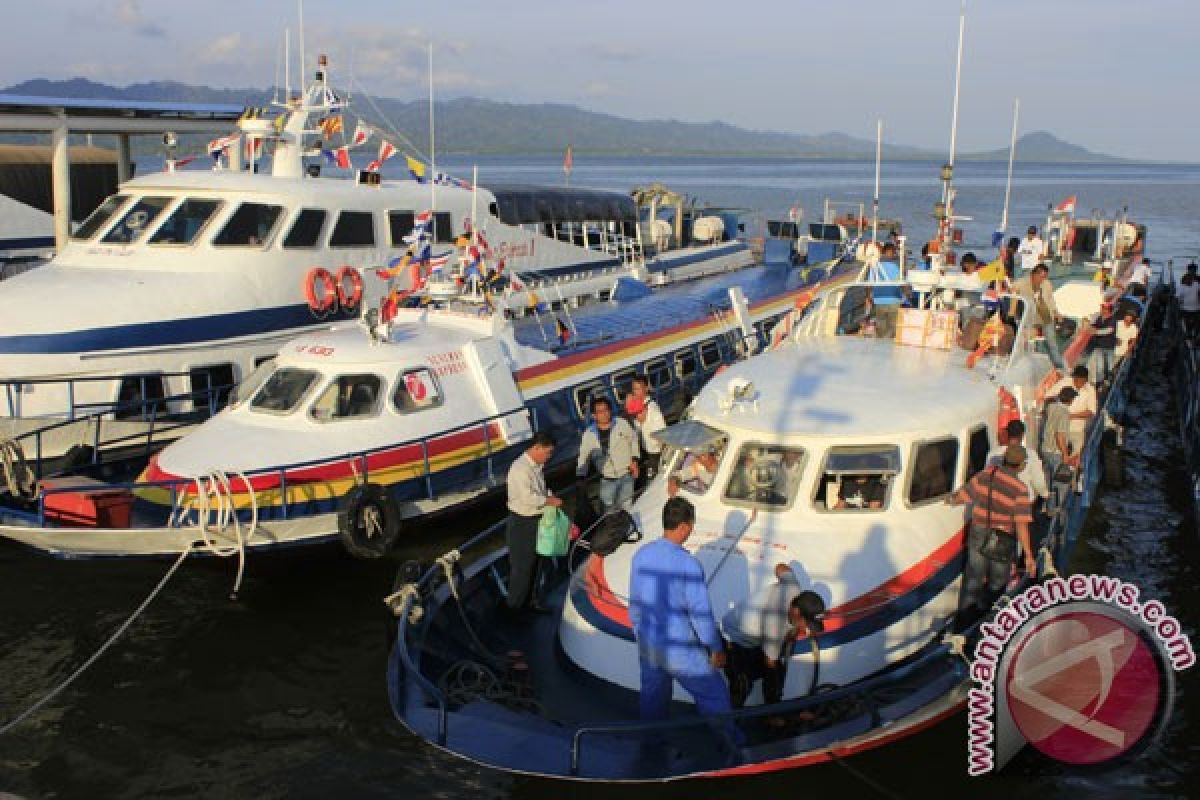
[(765, 476), (348, 397), (100, 217), (857, 477), (284, 390), (137, 219), (185, 222)]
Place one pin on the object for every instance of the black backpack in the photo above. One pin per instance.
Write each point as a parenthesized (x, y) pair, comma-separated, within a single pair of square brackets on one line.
[(612, 531)]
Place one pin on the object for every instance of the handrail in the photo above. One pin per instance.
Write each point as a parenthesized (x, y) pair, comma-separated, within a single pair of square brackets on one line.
[(14, 386)]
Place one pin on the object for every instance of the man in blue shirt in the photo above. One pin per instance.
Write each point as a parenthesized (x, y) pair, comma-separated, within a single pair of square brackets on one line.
[(888, 268), (677, 636)]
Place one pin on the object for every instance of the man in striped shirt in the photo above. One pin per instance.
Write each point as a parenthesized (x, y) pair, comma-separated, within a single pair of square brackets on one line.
[(1000, 515)]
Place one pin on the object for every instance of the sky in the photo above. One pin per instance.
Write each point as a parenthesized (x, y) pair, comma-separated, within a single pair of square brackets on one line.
[(1115, 77)]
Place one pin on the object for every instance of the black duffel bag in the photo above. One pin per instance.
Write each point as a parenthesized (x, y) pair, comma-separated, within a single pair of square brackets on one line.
[(612, 531)]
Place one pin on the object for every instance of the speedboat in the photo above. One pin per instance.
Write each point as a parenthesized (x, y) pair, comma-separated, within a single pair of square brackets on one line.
[(833, 404), (416, 409), (177, 287)]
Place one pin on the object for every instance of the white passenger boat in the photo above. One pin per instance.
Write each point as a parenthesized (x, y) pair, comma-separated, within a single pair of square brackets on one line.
[(798, 431), (180, 284)]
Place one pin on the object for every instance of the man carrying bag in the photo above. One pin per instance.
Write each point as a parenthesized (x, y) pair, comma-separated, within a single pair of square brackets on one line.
[(1000, 516)]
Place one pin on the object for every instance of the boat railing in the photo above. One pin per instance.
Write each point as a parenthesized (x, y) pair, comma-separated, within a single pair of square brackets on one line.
[(154, 412), (936, 649), (360, 459), (14, 388)]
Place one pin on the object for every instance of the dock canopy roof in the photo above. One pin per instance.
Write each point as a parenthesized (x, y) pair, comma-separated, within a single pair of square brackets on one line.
[(518, 204)]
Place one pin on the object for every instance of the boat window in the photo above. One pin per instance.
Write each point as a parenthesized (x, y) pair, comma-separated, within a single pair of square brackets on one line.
[(141, 397), (284, 390), (248, 386), (685, 364), (211, 386), (623, 381), (249, 226), (306, 230), (185, 221), (353, 229), (348, 397), (934, 466), (136, 219), (710, 354), (857, 478), (694, 453), (400, 224), (100, 217), (417, 390), (765, 476), (658, 374), (443, 231), (978, 451), (584, 395)]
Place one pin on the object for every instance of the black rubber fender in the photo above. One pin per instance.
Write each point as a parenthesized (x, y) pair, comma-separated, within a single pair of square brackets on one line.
[(368, 521)]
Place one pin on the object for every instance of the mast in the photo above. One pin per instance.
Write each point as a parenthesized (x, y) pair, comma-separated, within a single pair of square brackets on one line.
[(287, 67), (875, 201), (1012, 149), (432, 150), (303, 84), (948, 169)]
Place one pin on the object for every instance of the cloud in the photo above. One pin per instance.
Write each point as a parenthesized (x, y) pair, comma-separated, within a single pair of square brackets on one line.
[(222, 50), (129, 13), (597, 89)]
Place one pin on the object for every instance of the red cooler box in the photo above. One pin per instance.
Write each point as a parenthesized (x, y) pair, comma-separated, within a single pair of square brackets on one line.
[(89, 503)]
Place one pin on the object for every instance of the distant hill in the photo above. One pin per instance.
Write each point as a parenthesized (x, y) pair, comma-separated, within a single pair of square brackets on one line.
[(474, 125)]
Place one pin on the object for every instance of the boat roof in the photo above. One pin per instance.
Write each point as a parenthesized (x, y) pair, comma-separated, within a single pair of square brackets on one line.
[(265, 183), (519, 204), (851, 386), (349, 344)]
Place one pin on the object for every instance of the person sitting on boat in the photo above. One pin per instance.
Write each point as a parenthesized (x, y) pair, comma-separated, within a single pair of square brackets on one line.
[(1082, 408), (1103, 343), (677, 635), (1056, 432), (1034, 474), (864, 491), (696, 473), (760, 632), (609, 446), (1000, 518), (647, 419), (527, 498)]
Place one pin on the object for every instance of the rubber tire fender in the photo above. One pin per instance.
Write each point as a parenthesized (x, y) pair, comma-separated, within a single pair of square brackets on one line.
[(354, 511)]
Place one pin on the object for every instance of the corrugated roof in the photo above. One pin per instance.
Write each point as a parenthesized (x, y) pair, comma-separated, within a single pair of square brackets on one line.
[(134, 108)]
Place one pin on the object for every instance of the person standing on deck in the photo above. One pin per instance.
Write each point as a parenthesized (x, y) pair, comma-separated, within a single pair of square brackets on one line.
[(527, 498), (1037, 291), (1082, 408), (677, 635), (1056, 431), (1034, 474), (1189, 300), (1140, 275), (1032, 249), (609, 446), (888, 268), (647, 419), (1000, 518), (761, 632), (1127, 331)]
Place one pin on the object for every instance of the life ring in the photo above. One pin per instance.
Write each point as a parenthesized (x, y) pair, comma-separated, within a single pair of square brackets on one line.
[(320, 290), (349, 285), (368, 521)]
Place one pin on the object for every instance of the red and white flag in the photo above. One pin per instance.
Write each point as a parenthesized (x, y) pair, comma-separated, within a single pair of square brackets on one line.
[(362, 132), (386, 151), (1067, 206), (342, 154)]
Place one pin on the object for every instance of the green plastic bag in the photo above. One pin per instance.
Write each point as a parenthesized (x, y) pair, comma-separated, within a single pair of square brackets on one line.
[(554, 531)]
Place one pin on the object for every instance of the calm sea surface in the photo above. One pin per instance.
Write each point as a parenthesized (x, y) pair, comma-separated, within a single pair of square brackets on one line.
[(280, 693)]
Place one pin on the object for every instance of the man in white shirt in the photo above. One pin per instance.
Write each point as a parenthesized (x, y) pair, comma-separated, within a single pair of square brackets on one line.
[(527, 497), (1082, 408), (1032, 249), (1140, 274), (1188, 294), (1127, 331), (647, 419), (1033, 475)]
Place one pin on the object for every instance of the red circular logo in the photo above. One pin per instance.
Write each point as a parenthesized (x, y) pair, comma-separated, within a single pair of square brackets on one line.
[(1084, 687)]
